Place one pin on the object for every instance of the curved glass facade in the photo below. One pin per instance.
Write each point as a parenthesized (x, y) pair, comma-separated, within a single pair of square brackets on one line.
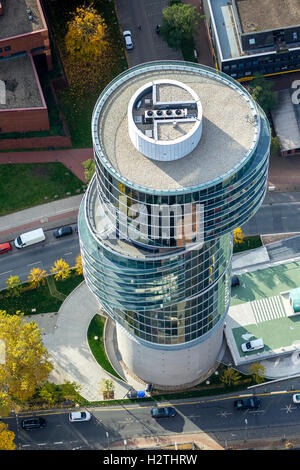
[(163, 289)]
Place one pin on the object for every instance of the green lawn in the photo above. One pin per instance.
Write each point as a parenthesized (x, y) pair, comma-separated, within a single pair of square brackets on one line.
[(39, 299), (96, 328), (249, 243), (27, 185)]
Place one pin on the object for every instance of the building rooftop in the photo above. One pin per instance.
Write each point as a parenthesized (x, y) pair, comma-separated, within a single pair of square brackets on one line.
[(260, 307), (16, 20), (286, 121), (258, 15), (21, 86), (229, 131)]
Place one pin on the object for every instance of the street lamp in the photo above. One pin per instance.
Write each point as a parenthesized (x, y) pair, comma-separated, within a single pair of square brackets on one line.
[(107, 435), (246, 429)]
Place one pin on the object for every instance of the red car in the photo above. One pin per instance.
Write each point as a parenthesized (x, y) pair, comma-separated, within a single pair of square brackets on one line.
[(5, 247)]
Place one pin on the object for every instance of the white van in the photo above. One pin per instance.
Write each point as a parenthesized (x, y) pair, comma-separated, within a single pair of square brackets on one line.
[(253, 345), (29, 238)]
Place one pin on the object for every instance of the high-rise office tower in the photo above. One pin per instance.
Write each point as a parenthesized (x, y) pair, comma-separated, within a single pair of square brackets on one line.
[(181, 156)]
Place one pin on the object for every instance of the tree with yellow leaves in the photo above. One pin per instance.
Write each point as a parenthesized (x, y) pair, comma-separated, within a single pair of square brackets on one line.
[(6, 438), (238, 236), (61, 270), (27, 365), (78, 265), (14, 285), (37, 277), (86, 35)]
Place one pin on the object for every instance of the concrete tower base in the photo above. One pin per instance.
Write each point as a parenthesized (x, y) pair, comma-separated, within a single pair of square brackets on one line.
[(170, 367)]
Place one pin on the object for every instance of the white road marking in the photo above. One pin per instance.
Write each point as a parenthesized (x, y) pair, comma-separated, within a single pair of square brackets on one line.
[(61, 442), (6, 272), (288, 408), (32, 264), (43, 444), (224, 414), (66, 254)]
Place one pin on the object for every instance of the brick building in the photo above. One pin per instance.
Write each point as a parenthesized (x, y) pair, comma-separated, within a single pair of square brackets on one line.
[(24, 48)]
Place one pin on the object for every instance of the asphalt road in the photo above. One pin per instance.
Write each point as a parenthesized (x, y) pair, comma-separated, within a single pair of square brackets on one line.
[(278, 417), (43, 255)]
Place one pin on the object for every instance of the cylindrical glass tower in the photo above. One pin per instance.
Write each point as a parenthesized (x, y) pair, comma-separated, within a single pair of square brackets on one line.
[(181, 156)]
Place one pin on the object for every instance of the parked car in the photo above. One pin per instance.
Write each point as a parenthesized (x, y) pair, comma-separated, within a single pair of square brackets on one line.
[(253, 345), (128, 40), (62, 231), (163, 412), (235, 281), (77, 416), (247, 404), (30, 238), (5, 247), (33, 423), (296, 398)]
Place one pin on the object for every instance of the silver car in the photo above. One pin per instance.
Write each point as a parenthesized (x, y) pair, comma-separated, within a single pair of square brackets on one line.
[(77, 416), (128, 40)]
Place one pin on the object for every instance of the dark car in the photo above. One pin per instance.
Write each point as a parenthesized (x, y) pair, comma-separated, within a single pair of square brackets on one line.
[(33, 423), (62, 231), (5, 247), (235, 281), (247, 404), (163, 412)]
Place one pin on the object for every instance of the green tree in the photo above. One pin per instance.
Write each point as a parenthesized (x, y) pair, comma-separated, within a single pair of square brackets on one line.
[(179, 22), (51, 393), (257, 371), (70, 390), (275, 146), (89, 169), (230, 376), (261, 91)]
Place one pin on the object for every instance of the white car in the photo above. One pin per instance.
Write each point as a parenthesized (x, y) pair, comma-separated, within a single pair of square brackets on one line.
[(128, 40), (296, 398), (77, 416), (253, 345)]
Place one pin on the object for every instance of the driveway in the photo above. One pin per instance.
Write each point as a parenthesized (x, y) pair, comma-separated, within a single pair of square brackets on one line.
[(148, 46)]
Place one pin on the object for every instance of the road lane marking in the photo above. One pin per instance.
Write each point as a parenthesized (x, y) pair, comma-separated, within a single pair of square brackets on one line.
[(32, 264), (67, 254), (42, 444), (60, 442), (6, 272)]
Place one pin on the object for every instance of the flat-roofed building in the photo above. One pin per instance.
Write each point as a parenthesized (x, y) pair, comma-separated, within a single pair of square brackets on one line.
[(254, 36), (22, 104), (23, 29)]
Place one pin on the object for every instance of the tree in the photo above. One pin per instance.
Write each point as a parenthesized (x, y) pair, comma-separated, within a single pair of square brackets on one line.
[(238, 236), (89, 169), (78, 265), (14, 285), (70, 390), (27, 364), (50, 392), (178, 24), (230, 376), (261, 91), (107, 387), (86, 35), (275, 146), (257, 371), (36, 277), (6, 438), (61, 270)]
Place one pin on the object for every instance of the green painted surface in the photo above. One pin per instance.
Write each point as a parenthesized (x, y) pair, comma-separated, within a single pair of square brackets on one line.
[(266, 283), (281, 332)]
